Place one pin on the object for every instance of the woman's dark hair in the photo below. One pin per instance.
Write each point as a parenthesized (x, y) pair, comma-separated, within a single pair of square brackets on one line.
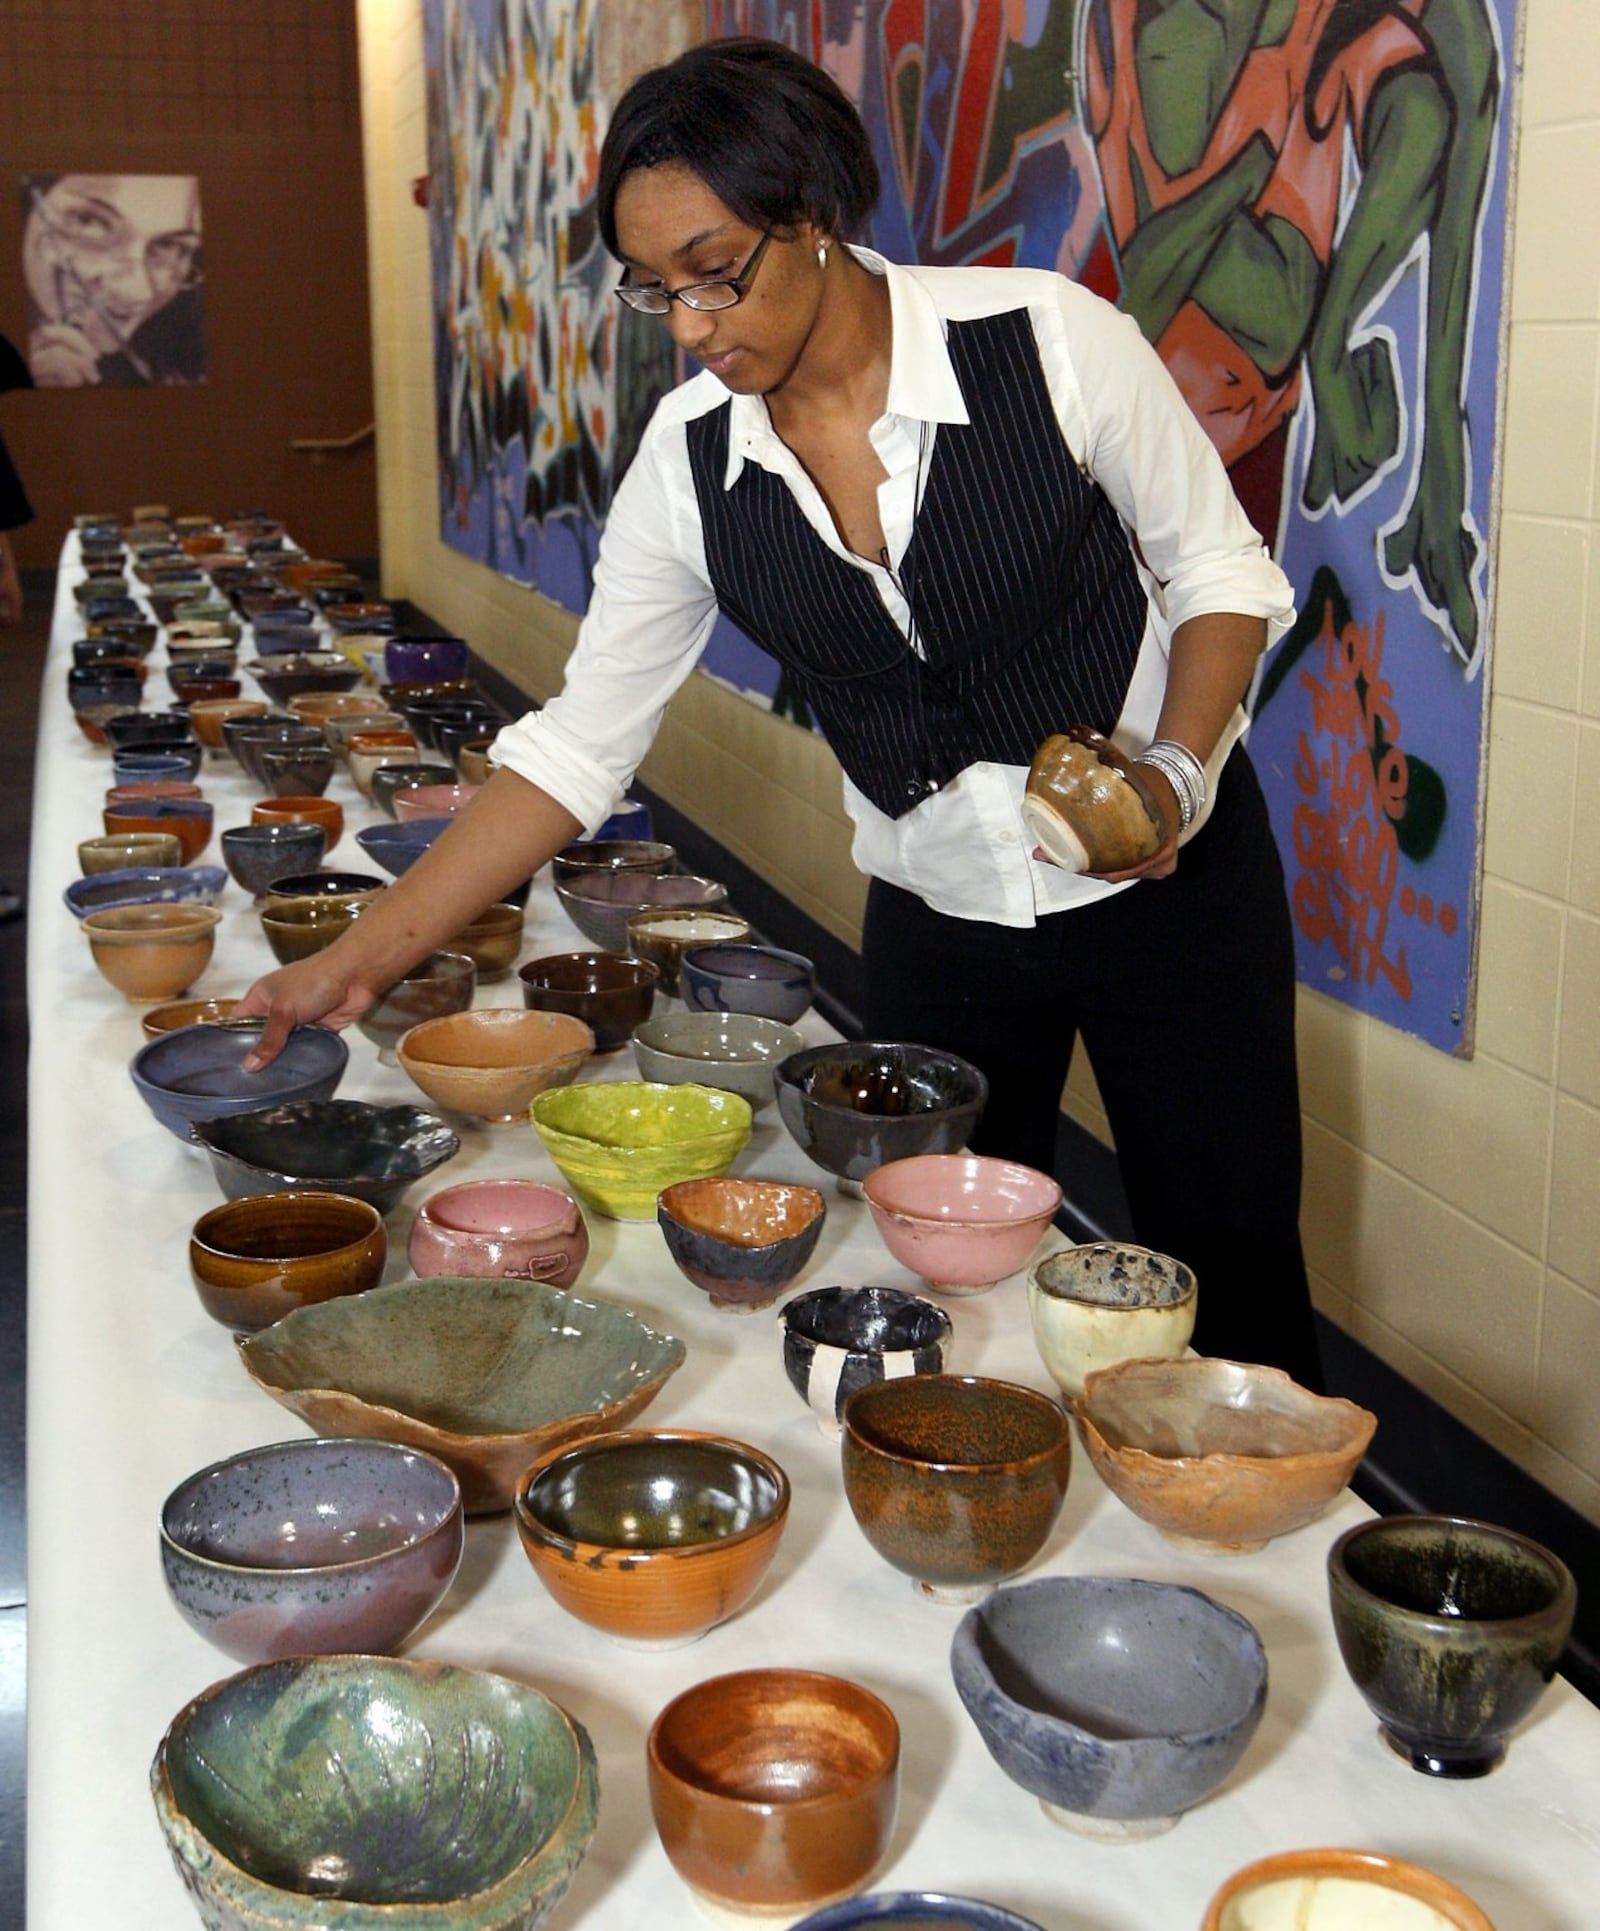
[(770, 134)]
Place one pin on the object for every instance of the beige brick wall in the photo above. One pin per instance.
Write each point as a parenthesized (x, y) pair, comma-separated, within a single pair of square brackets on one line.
[(1452, 1208)]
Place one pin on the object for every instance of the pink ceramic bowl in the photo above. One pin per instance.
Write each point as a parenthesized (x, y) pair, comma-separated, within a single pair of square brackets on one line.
[(515, 1229), (961, 1220), (432, 800)]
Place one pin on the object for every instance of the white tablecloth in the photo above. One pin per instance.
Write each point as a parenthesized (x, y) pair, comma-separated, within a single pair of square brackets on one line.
[(132, 1387)]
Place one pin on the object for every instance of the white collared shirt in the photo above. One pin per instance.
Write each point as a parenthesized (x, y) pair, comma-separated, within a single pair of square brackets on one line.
[(965, 849)]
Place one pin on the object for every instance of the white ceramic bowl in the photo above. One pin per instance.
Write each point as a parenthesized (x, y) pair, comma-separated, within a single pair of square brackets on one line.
[(1106, 1302)]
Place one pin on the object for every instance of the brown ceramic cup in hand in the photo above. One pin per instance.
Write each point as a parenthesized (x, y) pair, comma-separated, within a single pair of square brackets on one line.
[(1085, 809)]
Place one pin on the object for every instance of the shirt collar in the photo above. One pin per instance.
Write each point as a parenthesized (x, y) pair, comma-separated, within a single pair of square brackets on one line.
[(922, 383)]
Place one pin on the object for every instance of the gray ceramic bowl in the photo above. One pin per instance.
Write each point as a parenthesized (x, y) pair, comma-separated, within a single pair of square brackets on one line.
[(734, 1051), (259, 855), (373, 1153), (601, 906), (197, 1072), (1118, 1703), (443, 982), (761, 979), (370, 1794), (838, 1339), (857, 1104), (310, 1548)]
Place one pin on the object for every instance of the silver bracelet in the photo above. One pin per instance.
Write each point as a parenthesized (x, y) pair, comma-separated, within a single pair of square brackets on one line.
[(1183, 771)]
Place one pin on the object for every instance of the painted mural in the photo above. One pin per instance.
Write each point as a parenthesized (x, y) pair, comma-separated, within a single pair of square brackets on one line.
[(1303, 204)]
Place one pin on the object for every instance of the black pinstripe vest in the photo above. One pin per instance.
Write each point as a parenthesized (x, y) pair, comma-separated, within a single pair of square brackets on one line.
[(1019, 575)]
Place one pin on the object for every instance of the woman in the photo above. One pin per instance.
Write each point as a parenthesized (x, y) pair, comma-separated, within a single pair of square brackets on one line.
[(916, 488)]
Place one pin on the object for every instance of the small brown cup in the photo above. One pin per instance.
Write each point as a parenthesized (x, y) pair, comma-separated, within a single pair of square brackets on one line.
[(255, 1260)]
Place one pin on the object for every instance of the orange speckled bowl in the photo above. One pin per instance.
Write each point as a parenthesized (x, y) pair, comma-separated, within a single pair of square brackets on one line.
[(1334, 1890)]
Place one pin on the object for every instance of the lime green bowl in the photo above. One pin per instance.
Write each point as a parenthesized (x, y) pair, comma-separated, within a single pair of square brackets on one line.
[(619, 1142)]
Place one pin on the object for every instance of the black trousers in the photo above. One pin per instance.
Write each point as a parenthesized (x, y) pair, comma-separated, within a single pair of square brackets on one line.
[(1182, 990)]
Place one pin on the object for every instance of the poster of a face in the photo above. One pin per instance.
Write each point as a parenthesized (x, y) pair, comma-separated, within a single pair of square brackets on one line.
[(113, 268)]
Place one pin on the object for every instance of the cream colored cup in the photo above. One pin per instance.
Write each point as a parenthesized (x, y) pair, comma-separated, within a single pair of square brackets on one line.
[(1106, 1302)]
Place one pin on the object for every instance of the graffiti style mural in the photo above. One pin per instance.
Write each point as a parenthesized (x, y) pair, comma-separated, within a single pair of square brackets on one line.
[(1302, 202)]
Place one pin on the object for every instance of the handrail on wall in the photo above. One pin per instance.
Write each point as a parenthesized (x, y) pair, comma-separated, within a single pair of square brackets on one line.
[(319, 447)]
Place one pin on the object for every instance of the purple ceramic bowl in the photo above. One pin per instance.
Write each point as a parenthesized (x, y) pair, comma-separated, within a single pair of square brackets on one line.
[(197, 1072), (601, 906), (425, 660), (759, 979)]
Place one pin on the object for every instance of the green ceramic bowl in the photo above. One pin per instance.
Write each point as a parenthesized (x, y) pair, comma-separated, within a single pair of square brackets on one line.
[(348, 1793), (619, 1142)]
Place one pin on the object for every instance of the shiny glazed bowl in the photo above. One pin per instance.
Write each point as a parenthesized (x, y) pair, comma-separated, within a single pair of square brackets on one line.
[(491, 1061), (411, 802), (510, 1229), (1338, 1890), (774, 1790), (197, 1073), (485, 1374), (618, 1143), (188, 819), (741, 1241), (653, 1538), (152, 952), (385, 780), (148, 850), (600, 906), (962, 1221), (1104, 1302), (647, 855), (838, 1339), (145, 885), (855, 1105), (312, 1548), (253, 1261), (440, 1797), (663, 937), (760, 979), (398, 847), (257, 855), (444, 982), (492, 940), (301, 810), (734, 1051), (173, 1013), (610, 992), (914, 1911), (371, 1153), (1218, 1454), (296, 928)]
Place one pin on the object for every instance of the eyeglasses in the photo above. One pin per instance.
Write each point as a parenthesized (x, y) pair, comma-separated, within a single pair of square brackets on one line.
[(656, 300)]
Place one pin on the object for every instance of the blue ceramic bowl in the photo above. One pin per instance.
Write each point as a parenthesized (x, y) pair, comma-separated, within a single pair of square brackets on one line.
[(758, 979), (159, 758), (398, 847), (259, 855), (96, 687), (630, 820), (425, 660), (197, 1072), (139, 885), (371, 1153), (285, 640), (311, 1548), (914, 1911), (1118, 1703)]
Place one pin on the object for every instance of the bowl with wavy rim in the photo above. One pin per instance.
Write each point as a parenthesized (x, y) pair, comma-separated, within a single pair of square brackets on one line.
[(610, 992), (443, 982), (253, 1261), (1451, 1629), (857, 1104), (129, 851), (761, 979), (1221, 1455), (735, 1051), (742, 1242), (490, 1061), (258, 855), (521, 1230), (145, 885), (652, 1537), (664, 937), (1118, 1703), (485, 1374), (914, 1911), (1340, 1890), (197, 1072), (963, 1221), (648, 855), (1107, 1301), (493, 940), (600, 906), (619, 1142), (436, 1796), (151, 952), (838, 1339), (368, 1152)]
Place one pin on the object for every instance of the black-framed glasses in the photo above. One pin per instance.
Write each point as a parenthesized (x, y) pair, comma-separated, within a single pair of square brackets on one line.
[(700, 296)]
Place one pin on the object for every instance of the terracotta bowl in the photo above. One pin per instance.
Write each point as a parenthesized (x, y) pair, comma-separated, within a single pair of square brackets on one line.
[(443, 982), (663, 937), (1218, 1454), (962, 1221), (774, 1791), (490, 1062), (485, 1374), (492, 941), (301, 811), (600, 855), (188, 819), (610, 992), (956, 1481), (600, 906), (175, 1013), (1104, 1302), (653, 1538), (740, 1241), (733, 1051), (857, 1104), (253, 1261), (298, 927), (1451, 1630), (369, 1153), (152, 953), (1328, 1890), (501, 1229), (1118, 1703), (619, 1142), (488, 1786), (838, 1339), (196, 690), (761, 979)]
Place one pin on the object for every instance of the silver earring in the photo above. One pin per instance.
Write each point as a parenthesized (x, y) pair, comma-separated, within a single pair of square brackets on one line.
[(822, 254)]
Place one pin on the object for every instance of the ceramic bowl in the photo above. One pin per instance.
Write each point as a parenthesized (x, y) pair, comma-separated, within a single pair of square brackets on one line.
[(1104, 1302), (1451, 1630), (419, 660), (610, 992), (373, 1154), (258, 855), (1218, 1454), (631, 819), (197, 1073), (472, 760), (296, 770), (92, 720), (774, 1790), (618, 1143), (192, 690), (316, 707), (330, 886), (426, 707), (760, 979), (301, 810), (491, 1061), (599, 855), (136, 762), (601, 906), (914, 1911), (135, 791), (963, 1221), (454, 732), (250, 743), (431, 801), (855, 1105), (171, 1014), (955, 1480), (485, 1374), (492, 941), (519, 1230), (127, 851), (145, 885), (741, 1241), (398, 847), (440, 1797), (1339, 1890), (370, 752), (443, 982), (188, 819), (838, 1339), (152, 952), (253, 1261), (286, 676), (734, 1051), (1118, 1703), (653, 1538), (385, 780), (295, 928), (340, 728), (664, 936), (253, 718)]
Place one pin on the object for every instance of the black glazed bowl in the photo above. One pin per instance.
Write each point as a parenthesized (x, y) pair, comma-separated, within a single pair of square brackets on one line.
[(1450, 1629), (372, 1153), (838, 1339), (148, 728), (853, 1105)]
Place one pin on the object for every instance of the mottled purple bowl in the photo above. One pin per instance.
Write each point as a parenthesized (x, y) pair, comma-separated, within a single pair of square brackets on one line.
[(259, 855), (197, 1072), (425, 660)]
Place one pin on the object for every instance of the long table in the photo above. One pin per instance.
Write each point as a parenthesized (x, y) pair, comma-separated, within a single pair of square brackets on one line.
[(132, 1388)]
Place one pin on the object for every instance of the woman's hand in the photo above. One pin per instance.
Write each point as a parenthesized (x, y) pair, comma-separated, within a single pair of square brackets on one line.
[(319, 991)]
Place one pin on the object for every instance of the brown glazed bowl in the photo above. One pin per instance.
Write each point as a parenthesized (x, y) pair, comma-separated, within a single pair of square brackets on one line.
[(610, 992), (1324, 1890), (298, 927), (664, 937), (955, 1480), (1218, 1454), (774, 1790), (653, 1538), (209, 714), (1082, 808), (151, 953), (613, 855), (142, 849), (492, 941), (253, 1261), (173, 1013), (491, 1061)]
